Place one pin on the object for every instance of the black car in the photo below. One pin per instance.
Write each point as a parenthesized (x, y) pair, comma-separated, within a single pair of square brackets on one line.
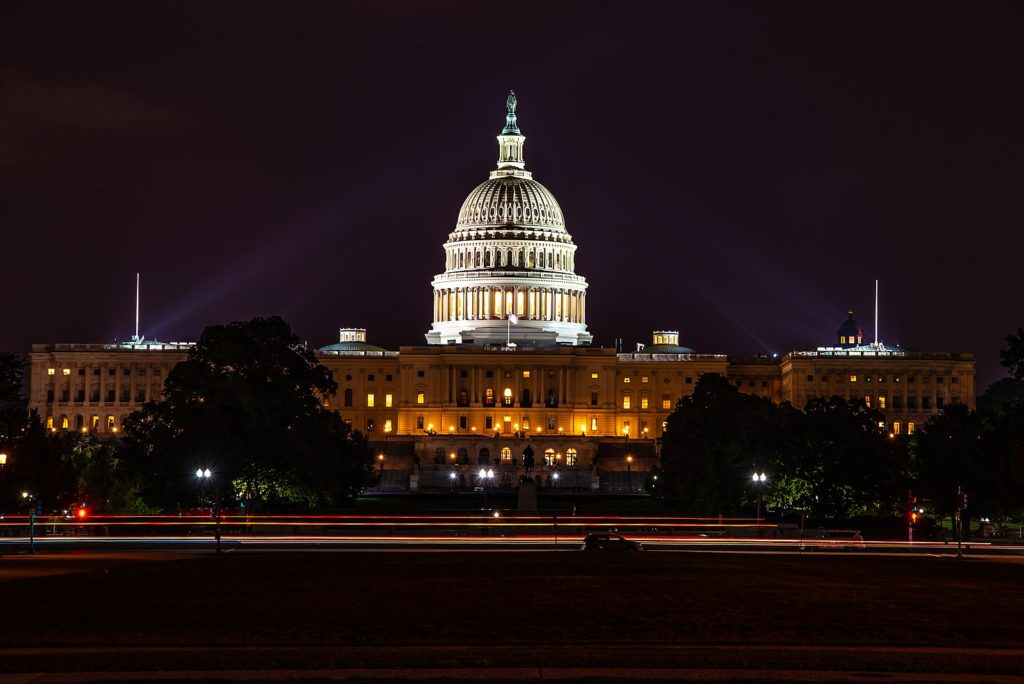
[(607, 541)]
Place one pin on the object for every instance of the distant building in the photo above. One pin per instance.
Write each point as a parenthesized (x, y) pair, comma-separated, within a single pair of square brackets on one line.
[(507, 365)]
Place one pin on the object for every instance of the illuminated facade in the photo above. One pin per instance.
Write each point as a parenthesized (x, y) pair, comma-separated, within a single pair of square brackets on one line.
[(438, 411)]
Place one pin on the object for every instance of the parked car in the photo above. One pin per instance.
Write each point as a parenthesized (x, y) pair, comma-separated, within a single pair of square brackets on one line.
[(607, 541)]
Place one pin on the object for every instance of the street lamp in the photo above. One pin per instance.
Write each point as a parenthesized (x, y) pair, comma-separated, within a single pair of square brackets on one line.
[(485, 475), (451, 478), (759, 480), (380, 470), (204, 474), (555, 477), (629, 471)]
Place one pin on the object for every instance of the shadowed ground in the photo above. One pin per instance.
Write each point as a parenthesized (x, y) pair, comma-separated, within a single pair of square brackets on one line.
[(337, 609)]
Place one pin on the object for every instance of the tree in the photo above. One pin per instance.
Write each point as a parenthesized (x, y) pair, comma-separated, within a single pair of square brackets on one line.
[(13, 410), (1013, 356), (950, 453), (713, 442), (841, 463), (248, 403)]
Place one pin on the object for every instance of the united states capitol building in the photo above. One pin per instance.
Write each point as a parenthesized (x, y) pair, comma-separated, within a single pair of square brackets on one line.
[(507, 367)]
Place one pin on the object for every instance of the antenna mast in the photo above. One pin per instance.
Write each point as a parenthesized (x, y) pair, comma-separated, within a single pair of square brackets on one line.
[(876, 313), (137, 282)]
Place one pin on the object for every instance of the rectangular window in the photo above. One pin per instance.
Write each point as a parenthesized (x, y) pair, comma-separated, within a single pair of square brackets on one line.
[(370, 377), (80, 394), (853, 378), (593, 424), (526, 374), (910, 428), (595, 376), (626, 402), (810, 378), (643, 379), (387, 378), (419, 374), (867, 400), (64, 394), (111, 371), (625, 380), (463, 374), (463, 422), (126, 371), (140, 395), (926, 402), (110, 395), (912, 403), (81, 371), (489, 422), (940, 402), (897, 401), (896, 427), (881, 402), (489, 374), (421, 398), (369, 424), (593, 398), (370, 400), (49, 422), (51, 371), (49, 395), (643, 402), (388, 400), (67, 371), (419, 422), (666, 402), (551, 422), (689, 381)]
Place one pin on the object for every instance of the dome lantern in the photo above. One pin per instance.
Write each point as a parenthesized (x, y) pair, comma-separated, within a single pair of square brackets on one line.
[(510, 142)]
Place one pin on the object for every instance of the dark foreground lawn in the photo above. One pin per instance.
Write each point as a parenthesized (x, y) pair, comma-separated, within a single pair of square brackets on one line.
[(331, 609)]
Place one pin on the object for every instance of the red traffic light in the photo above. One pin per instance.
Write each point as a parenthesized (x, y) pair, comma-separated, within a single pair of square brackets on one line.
[(81, 513)]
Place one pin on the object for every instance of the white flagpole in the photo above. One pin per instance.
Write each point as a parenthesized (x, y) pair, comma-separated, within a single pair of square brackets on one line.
[(137, 281), (876, 313)]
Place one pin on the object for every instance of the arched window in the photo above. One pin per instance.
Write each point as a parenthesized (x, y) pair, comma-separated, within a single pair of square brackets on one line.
[(487, 259), (506, 455), (508, 261), (463, 397), (79, 422), (526, 399), (521, 262), (463, 455), (348, 396), (438, 455), (489, 397), (484, 456), (549, 457), (497, 258), (570, 457), (552, 399), (462, 260), (506, 399)]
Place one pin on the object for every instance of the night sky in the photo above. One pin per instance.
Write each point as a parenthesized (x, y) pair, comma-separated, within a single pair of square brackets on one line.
[(739, 171)]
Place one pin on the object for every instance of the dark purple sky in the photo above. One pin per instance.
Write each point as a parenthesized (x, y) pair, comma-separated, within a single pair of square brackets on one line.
[(739, 171)]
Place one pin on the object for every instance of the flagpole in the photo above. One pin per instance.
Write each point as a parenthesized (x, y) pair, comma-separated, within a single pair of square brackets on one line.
[(508, 330)]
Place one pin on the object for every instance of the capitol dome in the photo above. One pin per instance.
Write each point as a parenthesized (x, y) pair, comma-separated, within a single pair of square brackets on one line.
[(511, 201), (510, 262)]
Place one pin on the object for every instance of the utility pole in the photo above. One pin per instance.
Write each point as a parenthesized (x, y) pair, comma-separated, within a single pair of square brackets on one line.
[(961, 504)]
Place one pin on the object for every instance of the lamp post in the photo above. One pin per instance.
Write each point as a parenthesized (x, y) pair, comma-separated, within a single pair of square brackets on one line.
[(380, 471), (759, 480), (485, 475), (204, 474), (629, 471), (555, 476), (451, 478)]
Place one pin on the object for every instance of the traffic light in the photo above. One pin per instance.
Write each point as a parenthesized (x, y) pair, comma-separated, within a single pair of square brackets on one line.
[(82, 512)]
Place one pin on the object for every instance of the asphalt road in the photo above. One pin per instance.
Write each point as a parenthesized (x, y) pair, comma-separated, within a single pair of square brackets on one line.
[(488, 611)]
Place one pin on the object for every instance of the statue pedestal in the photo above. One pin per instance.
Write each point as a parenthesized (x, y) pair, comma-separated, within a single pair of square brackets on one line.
[(527, 496)]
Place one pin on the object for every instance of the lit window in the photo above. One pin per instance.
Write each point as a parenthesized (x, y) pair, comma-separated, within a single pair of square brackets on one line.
[(910, 428), (867, 400), (508, 392), (51, 371), (420, 397), (625, 380), (526, 374), (549, 457), (369, 400), (49, 420), (643, 379), (666, 403), (387, 426), (853, 378), (593, 424), (842, 339), (626, 402), (896, 427), (594, 376), (67, 371), (64, 422), (881, 402), (388, 400), (570, 457), (506, 455)]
